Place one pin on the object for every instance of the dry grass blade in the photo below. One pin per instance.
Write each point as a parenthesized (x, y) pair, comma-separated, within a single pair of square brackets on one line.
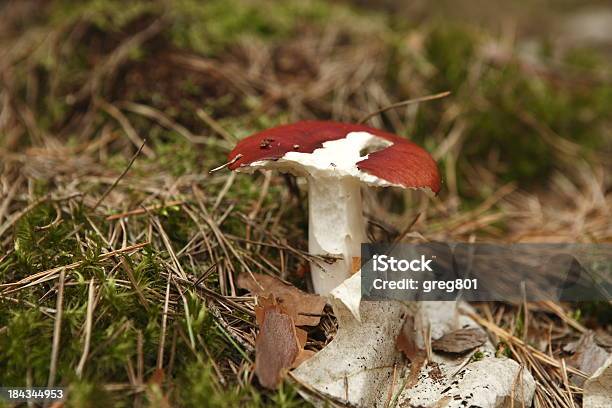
[(88, 323), (127, 127), (130, 273), (118, 56), (141, 211), (13, 218), (57, 329), (229, 163), (48, 274), (9, 197), (404, 103), (162, 119), (214, 125), (558, 310), (125, 171), (520, 343), (164, 325)]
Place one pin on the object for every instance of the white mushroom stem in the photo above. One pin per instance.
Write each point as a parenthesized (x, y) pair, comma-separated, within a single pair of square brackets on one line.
[(336, 229)]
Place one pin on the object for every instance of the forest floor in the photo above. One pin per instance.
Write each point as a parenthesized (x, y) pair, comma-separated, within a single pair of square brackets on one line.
[(113, 113)]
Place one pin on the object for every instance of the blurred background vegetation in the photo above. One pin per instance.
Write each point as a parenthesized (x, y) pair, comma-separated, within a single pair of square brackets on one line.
[(83, 84)]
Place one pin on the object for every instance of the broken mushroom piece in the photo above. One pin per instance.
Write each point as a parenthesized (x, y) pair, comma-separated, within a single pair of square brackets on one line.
[(336, 159)]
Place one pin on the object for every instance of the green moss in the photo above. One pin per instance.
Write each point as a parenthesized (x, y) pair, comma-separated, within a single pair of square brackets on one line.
[(584, 59), (175, 154), (113, 15), (89, 395), (120, 314), (22, 348), (200, 388), (498, 109), (477, 356), (450, 49), (208, 27), (502, 350), (43, 241), (119, 317), (287, 397)]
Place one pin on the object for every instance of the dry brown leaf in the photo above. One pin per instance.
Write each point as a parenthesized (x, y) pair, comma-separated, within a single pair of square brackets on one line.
[(302, 270), (303, 356), (263, 303), (278, 343), (460, 341), (407, 344), (155, 392), (302, 336), (406, 340), (157, 377), (356, 265), (304, 308)]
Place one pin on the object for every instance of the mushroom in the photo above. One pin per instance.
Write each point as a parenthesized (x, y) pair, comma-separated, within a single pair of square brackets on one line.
[(336, 159)]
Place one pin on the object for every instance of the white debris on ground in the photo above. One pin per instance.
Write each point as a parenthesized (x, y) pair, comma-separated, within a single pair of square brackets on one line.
[(490, 382), (362, 367), (357, 365), (349, 294), (598, 388)]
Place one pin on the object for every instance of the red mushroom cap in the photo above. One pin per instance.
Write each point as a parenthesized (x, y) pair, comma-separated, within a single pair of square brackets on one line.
[(403, 163)]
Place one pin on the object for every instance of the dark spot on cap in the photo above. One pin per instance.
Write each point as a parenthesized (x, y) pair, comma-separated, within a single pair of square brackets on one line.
[(266, 143)]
